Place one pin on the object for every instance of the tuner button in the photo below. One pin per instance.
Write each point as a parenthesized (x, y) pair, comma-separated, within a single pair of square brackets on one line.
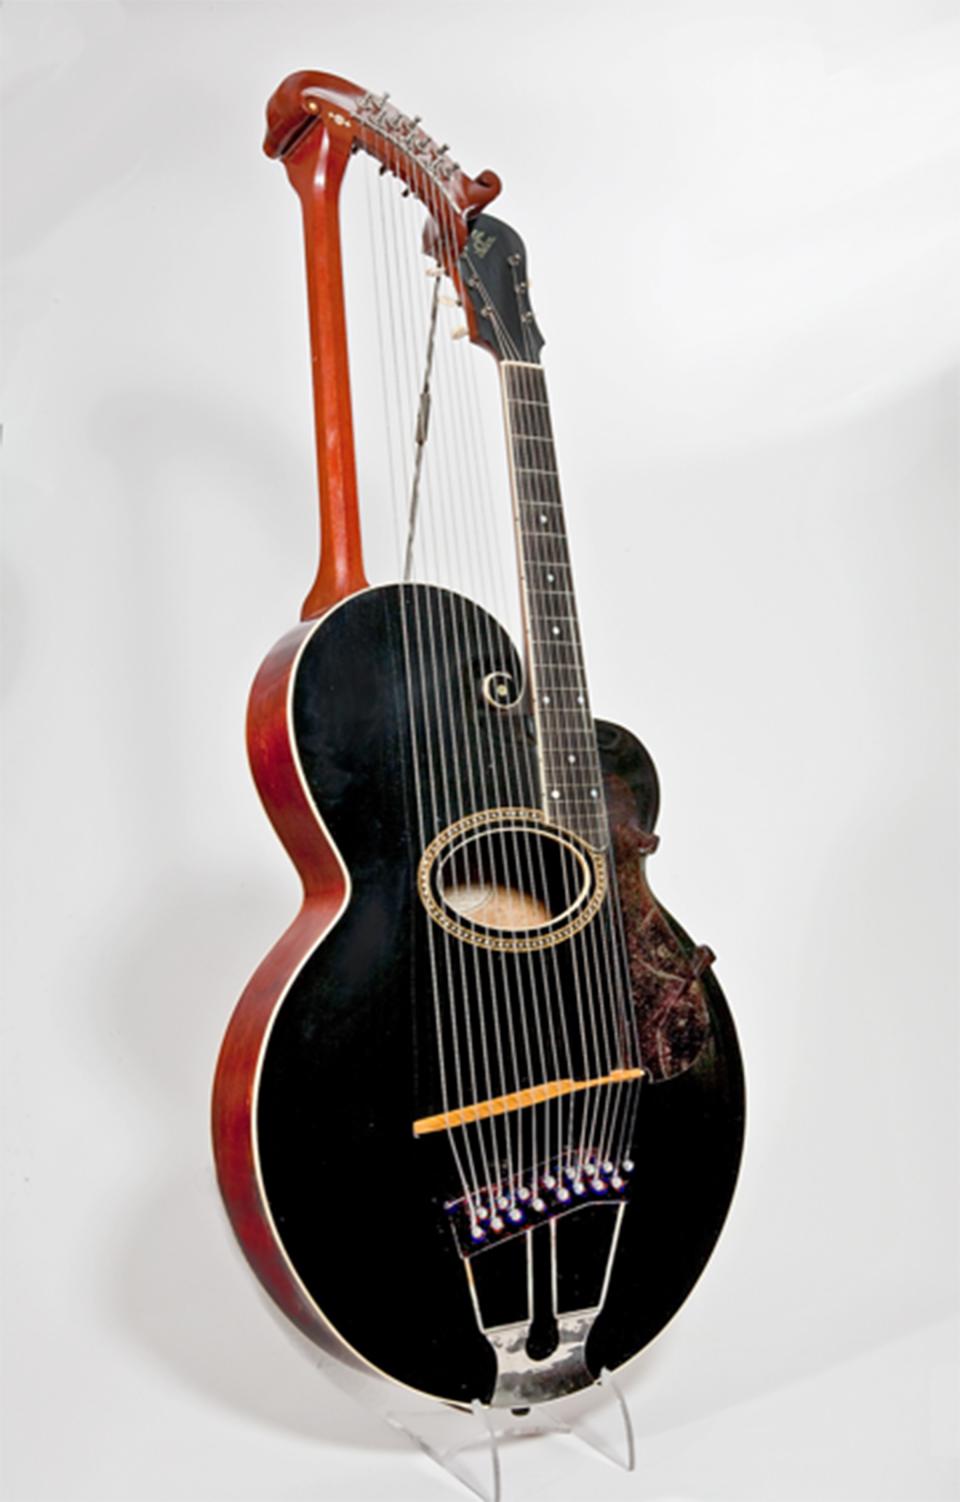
[(461, 332)]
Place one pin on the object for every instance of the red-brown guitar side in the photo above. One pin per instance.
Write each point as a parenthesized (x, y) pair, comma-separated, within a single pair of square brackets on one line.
[(278, 780)]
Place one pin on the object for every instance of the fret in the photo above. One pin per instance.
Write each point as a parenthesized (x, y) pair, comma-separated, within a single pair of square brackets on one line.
[(529, 422)]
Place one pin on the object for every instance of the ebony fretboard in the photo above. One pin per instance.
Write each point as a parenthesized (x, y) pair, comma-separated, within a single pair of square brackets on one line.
[(572, 787)]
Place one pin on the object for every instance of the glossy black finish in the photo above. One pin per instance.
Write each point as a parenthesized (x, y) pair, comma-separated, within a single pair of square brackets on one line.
[(493, 267), (351, 1060)]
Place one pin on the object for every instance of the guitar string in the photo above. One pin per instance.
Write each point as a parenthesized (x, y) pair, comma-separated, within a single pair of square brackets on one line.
[(516, 390), (610, 921), (562, 1053), (524, 502), (415, 754), (510, 352), (613, 944), (541, 967), (562, 679), (521, 379)]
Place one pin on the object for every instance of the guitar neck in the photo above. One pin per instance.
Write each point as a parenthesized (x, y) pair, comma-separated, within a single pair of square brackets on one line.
[(569, 763)]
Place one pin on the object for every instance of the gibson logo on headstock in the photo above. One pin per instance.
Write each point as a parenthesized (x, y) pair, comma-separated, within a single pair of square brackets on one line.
[(481, 242)]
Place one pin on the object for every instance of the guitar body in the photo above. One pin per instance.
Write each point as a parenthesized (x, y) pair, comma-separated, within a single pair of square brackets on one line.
[(341, 1191)]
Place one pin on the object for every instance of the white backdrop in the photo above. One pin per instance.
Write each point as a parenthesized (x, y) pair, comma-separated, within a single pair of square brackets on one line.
[(742, 221)]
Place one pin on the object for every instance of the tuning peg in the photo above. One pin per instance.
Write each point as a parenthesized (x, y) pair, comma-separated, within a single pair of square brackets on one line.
[(448, 302), (461, 332)]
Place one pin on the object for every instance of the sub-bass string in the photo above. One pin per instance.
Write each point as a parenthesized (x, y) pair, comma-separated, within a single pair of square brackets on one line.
[(459, 720), (452, 719), (422, 760), (437, 679)]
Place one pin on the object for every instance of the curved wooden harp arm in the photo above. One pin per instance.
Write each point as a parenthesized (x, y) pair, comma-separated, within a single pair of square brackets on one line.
[(315, 122)]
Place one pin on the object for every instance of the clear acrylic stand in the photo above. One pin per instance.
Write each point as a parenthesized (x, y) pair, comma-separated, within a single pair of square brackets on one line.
[(469, 1443)]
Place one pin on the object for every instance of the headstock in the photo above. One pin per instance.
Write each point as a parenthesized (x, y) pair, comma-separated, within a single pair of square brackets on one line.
[(493, 272)]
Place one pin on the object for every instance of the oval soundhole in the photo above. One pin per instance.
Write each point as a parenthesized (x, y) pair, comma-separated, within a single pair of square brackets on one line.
[(513, 879)]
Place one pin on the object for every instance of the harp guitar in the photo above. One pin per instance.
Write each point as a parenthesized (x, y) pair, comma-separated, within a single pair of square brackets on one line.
[(478, 1115)]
